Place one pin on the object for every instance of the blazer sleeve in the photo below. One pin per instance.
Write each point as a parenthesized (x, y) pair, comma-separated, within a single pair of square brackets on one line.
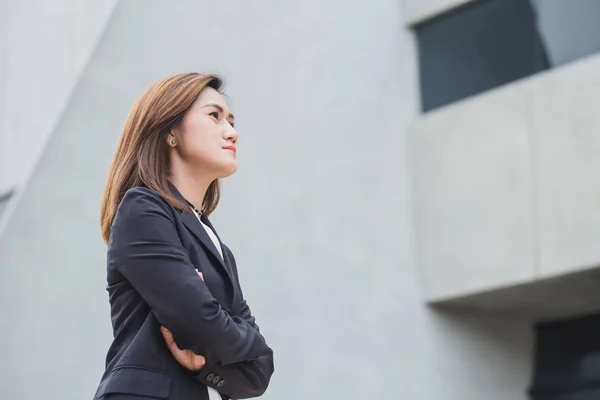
[(245, 379), (146, 249)]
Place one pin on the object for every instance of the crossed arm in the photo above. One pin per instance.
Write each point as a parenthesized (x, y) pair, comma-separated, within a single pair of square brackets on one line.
[(145, 247), (241, 380), (246, 379), (237, 381)]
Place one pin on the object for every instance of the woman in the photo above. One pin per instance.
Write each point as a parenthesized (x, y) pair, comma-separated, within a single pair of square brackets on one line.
[(182, 329)]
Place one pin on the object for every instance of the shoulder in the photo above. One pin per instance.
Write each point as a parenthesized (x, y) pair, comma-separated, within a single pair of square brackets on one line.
[(142, 212), (142, 196), (228, 251), (141, 201)]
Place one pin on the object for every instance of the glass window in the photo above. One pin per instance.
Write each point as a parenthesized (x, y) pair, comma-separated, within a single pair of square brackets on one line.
[(488, 43), (567, 360), (569, 29)]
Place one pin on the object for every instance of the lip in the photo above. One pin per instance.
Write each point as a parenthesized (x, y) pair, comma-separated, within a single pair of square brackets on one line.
[(232, 148)]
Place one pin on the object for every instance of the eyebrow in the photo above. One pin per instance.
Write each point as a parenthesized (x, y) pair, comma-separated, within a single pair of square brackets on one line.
[(218, 107)]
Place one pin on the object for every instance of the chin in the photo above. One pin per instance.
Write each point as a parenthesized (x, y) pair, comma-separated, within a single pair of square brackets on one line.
[(228, 170)]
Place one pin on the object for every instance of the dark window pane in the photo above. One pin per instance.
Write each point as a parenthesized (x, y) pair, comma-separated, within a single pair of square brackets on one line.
[(488, 43), (477, 47), (567, 360), (590, 394)]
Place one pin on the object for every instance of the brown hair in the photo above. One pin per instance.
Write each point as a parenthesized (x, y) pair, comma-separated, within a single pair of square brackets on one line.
[(142, 157)]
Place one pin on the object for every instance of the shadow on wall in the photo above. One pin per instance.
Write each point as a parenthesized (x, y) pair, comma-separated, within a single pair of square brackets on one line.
[(4, 198), (492, 355)]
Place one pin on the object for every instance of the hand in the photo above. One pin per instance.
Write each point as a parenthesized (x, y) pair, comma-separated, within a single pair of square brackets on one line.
[(186, 358)]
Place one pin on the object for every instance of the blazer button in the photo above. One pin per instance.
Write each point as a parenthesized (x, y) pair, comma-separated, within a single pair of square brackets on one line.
[(221, 383), (216, 379), (210, 377)]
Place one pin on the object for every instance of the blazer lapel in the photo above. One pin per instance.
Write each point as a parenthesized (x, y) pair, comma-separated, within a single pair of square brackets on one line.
[(226, 260), (191, 222), (230, 271)]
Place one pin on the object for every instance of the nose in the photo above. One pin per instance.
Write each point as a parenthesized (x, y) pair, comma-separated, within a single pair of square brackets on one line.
[(231, 134)]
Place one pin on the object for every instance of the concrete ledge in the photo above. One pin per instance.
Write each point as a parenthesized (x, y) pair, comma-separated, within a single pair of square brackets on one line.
[(566, 148), (558, 297), (473, 193), (507, 193), (416, 11)]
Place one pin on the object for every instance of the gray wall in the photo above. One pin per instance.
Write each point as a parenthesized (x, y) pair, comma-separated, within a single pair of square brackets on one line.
[(418, 10), (44, 45), (319, 215), (3, 147)]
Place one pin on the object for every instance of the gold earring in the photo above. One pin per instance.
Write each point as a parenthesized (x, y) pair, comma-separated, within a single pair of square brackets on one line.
[(173, 142)]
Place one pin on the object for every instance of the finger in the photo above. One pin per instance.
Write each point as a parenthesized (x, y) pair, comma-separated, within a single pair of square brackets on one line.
[(200, 275), (172, 345), (199, 362), (167, 335)]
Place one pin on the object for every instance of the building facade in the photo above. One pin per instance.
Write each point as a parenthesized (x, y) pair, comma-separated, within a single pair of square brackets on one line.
[(414, 216)]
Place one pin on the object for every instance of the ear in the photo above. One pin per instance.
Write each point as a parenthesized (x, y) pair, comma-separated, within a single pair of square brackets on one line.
[(171, 140)]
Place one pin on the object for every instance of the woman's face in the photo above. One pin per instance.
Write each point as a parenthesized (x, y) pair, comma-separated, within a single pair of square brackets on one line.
[(206, 138)]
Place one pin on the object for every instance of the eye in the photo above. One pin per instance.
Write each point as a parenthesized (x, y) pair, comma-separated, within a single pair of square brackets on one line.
[(232, 123), (214, 114)]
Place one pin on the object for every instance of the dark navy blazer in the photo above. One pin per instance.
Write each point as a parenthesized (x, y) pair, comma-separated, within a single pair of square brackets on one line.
[(154, 251)]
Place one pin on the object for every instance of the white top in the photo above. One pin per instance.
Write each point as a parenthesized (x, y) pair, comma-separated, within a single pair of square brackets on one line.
[(213, 237), (212, 393)]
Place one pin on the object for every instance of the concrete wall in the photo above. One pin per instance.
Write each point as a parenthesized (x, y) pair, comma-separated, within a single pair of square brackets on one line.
[(44, 46), (509, 195), (3, 83), (416, 11), (319, 215), (4, 186), (473, 195)]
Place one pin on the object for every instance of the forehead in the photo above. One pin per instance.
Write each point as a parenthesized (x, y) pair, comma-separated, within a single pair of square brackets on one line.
[(210, 95)]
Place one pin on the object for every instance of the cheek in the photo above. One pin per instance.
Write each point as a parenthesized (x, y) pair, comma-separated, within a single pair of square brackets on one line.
[(201, 141)]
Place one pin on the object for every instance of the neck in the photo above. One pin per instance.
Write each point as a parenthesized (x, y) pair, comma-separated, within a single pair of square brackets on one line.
[(192, 188)]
